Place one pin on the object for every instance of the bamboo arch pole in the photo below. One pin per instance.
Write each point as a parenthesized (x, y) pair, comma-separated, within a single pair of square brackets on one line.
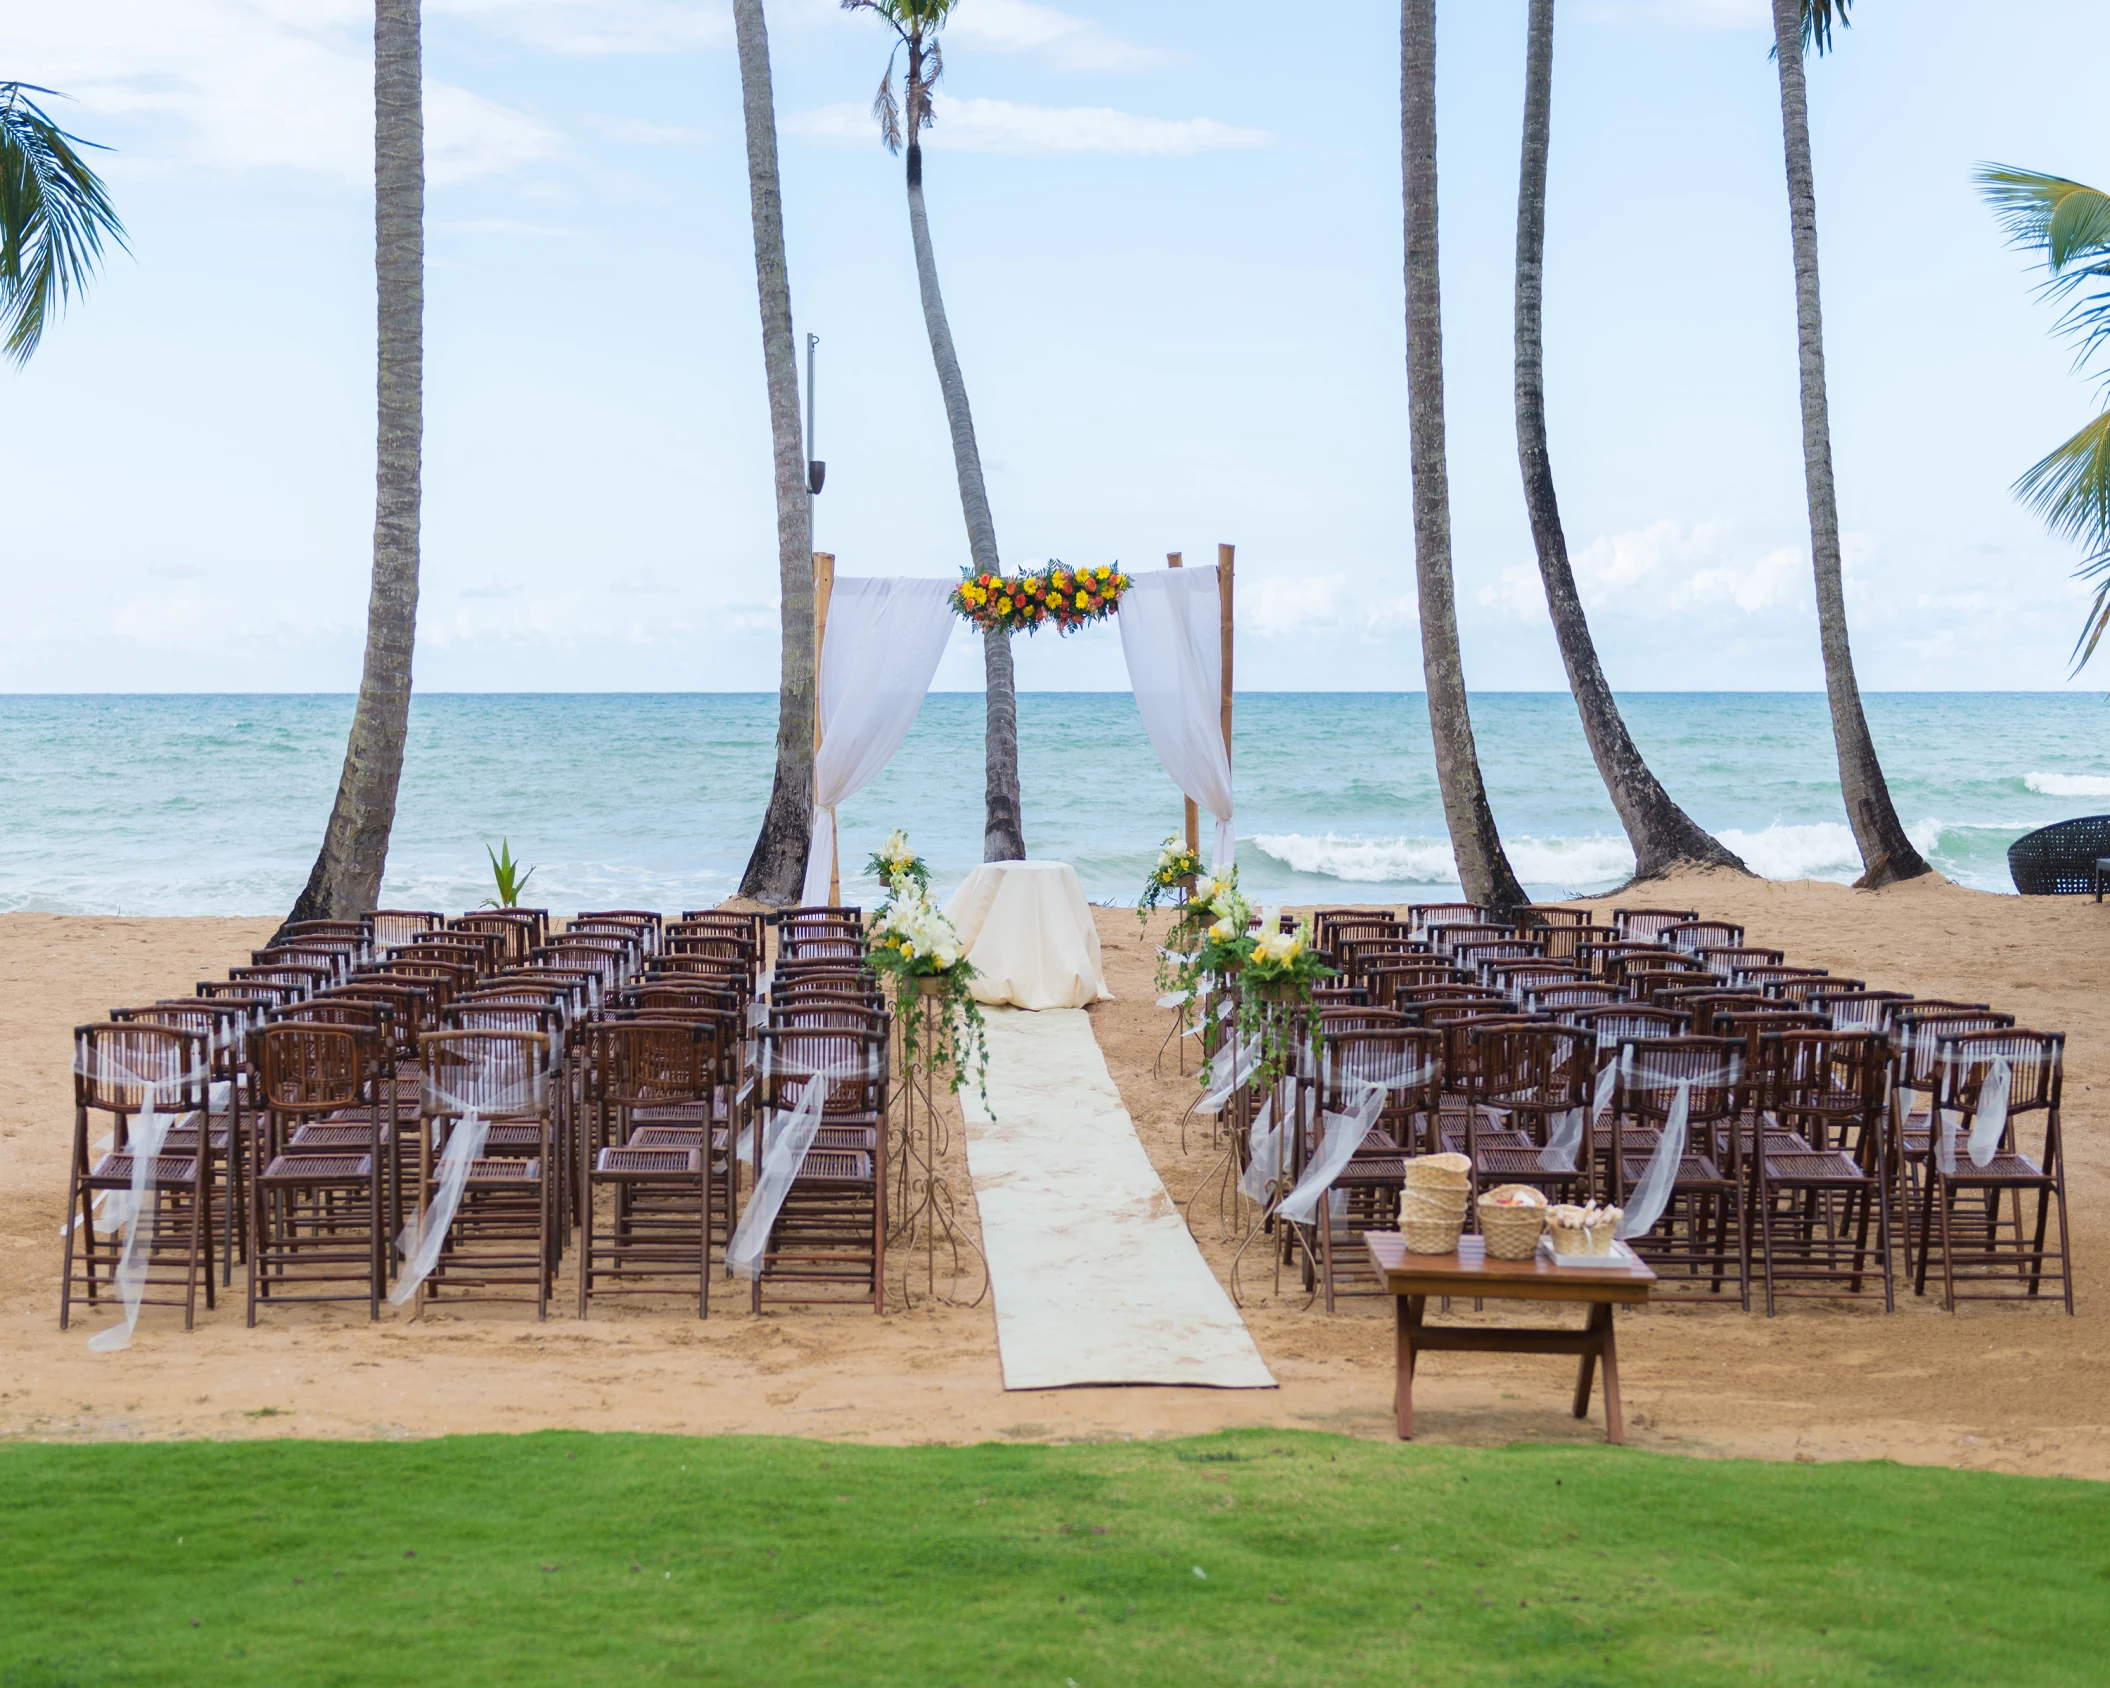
[(1194, 817), (823, 590)]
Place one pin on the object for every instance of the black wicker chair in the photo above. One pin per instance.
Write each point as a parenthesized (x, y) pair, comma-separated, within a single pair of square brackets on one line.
[(2070, 858)]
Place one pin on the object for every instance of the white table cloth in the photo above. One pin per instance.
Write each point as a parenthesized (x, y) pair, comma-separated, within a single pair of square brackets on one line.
[(1028, 933)]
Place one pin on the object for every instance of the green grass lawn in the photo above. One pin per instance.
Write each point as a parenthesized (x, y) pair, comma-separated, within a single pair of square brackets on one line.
[(1264, 1557)]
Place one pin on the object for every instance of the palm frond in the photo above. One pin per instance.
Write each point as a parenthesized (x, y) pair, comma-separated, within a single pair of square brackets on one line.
[(54, 213), (2070, 489), (2067, 219), (885, 110), (1818, 17), (2098, 621)]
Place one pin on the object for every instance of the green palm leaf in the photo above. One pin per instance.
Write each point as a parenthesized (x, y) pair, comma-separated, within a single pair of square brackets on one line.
[(54, 214)]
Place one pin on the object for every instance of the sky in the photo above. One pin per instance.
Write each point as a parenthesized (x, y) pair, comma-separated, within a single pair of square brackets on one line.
[(1169, 237)]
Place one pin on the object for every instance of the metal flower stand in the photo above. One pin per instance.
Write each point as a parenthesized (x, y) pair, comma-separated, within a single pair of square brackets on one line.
[(922, 1198)]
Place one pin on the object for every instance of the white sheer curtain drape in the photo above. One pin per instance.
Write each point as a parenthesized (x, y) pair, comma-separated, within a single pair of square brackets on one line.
[(878, 655), (1171, 633)]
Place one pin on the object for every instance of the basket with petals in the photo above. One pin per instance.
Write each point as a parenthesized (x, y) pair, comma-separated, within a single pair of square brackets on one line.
[(1512, 1219)]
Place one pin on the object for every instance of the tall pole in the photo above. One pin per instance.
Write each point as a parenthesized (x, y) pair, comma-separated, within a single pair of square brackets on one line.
[(823, 590), (1194, 814), (1225, 599)]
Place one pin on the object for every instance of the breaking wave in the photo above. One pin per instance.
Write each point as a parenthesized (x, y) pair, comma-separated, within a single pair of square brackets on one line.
[(2068, 785)]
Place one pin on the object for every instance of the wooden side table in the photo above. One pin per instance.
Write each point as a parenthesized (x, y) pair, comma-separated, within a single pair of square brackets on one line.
[(1413, 1278)]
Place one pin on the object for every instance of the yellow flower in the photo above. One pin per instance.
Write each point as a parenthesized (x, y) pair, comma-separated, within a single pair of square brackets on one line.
[(1082, 600)]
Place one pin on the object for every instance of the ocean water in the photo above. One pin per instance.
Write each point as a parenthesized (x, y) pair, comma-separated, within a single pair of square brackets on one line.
[(215, 804)]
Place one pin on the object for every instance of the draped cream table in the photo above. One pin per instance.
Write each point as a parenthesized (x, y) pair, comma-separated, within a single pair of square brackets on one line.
[(1028, 933)]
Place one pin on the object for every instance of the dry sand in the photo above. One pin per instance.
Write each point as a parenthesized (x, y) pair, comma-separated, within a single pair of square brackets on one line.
[(2019, 1388)]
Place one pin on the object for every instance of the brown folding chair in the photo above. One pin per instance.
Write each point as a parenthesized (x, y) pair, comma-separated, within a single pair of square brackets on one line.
[(1963, 1208), (1818, 1181), (138, 1072)]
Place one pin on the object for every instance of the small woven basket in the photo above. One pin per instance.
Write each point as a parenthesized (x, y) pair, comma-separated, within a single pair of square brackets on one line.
[(1430, 1217), (1583, 1242), (1439, 1172), (1512, 1233)]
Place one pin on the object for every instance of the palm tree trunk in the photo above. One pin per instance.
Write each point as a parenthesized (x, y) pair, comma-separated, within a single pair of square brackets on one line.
[(1003, 825), (1483, 869), (1662, 834), (1887, 854), (777, 869), (346, 880)]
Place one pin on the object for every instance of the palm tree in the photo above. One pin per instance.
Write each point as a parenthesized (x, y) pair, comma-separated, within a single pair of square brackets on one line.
[(916, 24), (1887, 855), (2070, 489), (776, 871), (346, 880), (1483, 869), (1662, 834), (53, 216)]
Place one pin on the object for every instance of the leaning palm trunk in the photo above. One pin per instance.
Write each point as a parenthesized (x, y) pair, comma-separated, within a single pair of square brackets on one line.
[(346, 880), (1662, 834), (1003, 825), (776, 871), (1887, 854), (1483, 869)]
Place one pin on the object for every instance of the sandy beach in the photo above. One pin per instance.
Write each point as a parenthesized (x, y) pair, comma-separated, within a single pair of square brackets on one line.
[(2019, 1388)]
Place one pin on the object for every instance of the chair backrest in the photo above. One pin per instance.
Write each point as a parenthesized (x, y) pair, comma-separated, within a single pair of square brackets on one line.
[(786, 1059), (1544, 1064), (1824, 1075), (1446, 939), (639, 1063), (1652, 1068), (1406, 1060), (1562, 1000), (1692, 936), (2036, 1069), (118, 1066), (1555, 914), (1621, 1022), (1422, 916), (518, 930), (1800, 990), (821, 914), (338, 956), (393, 926), (1915, 1037), (254, 994), (1640, 925), (303, 977), (1728, 960), (497, 1073), (224, 1025), (647, 922), (315, 1066)]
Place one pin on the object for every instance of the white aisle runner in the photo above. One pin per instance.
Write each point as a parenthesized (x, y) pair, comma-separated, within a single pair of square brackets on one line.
[(1095, 1277)]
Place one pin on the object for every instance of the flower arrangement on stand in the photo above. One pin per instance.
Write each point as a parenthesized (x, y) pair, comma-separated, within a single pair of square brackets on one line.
[(1178, 866), (1271, 972), (912, 945), (897, 867), (1056, 595)]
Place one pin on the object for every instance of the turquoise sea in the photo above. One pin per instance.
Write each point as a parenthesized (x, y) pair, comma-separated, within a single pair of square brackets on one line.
[(215, 804)]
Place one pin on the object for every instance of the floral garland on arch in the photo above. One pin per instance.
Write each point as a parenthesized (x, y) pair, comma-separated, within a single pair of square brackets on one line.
[(1024, 603), (911, 944)]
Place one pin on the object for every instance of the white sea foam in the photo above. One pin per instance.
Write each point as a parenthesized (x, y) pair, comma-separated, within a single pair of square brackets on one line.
[(1428, 861), (2069, 785), (1813, 850)]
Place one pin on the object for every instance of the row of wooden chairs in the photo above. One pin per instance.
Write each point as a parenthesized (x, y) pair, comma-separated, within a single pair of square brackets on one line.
[(601, 1073), (1811, 1161)]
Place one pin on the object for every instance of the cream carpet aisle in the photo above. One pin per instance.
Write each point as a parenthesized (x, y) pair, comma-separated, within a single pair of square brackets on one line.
[(1095, 1277)]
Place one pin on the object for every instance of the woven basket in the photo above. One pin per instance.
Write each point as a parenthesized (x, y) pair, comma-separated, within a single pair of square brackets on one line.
[(1512, 1233), (1440, 1172), (1583, 1242), (1430, 1219)]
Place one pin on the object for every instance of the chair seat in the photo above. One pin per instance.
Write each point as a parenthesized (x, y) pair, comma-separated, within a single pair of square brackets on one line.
[(1808, 1166), (1517, 1162), (679, 1113), (526, 1139), (114, 1171), (322, 1136), (2003, 1168), (1693, 1169), (678, 1137), (502, 1171), (649, 1163), (319, 1169), (836, 1166)]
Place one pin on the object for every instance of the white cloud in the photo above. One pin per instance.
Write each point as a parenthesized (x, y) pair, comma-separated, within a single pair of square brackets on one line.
[(260, 84), (1701, 14), (1279, 604), (1002, 126), (1665, 571), (1065, 40)]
